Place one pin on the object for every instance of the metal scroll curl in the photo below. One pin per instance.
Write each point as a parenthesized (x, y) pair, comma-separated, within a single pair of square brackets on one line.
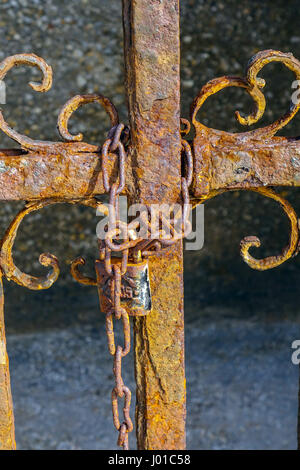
[(8, 267), (76, 102), (73, 142), (253, 85), (78, 276), (248, 242), (45, 85), (288, 251)]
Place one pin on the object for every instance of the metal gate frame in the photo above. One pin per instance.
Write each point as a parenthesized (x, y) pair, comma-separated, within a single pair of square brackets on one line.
[(43, 173)]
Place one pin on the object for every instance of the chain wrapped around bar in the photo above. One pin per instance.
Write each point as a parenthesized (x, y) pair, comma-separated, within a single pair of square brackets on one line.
[(115, 271), (119, 239), (164, 238)]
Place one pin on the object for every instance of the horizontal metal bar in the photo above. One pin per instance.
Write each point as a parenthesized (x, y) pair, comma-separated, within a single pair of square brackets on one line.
[(29, 176), (228, 163)]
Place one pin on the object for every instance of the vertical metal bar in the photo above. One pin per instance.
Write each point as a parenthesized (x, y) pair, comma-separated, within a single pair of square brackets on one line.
[(152, 54), (7, 429)]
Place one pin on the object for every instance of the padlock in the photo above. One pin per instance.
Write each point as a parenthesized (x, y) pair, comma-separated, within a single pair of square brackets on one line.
[(135, 288)]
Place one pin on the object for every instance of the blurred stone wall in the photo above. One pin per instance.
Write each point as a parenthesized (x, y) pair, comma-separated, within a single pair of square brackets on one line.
[(82, 40)]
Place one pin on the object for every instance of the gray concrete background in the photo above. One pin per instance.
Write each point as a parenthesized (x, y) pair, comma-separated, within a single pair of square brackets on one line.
[(242, 388)]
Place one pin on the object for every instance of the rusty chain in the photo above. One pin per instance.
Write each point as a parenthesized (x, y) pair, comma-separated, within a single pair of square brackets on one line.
[(116, 271), (117, 241)]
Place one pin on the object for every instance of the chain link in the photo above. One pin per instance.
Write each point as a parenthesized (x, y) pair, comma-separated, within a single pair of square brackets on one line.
[(118, 240), (115, 271)]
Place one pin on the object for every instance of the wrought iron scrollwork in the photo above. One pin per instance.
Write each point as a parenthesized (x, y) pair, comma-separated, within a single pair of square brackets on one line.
[(45, 85), (288, 251), (72, 144), (8, 267), (205, 139), (75, 143), (78, 276), (76, 102), (253, 86), (222, 145), (11, 271)]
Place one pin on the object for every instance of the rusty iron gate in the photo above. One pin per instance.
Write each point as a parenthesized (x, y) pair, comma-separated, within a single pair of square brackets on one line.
[(151, 161)]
